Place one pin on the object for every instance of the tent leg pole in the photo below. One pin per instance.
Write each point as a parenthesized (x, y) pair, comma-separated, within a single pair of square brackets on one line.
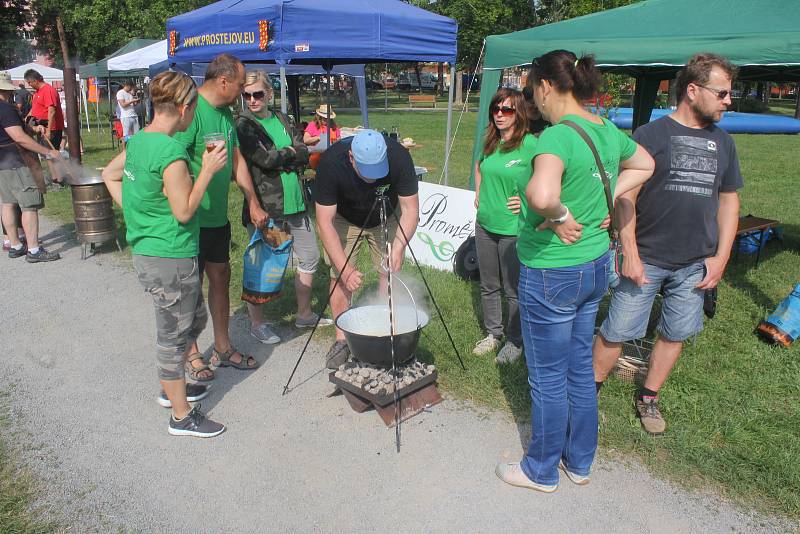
[(284, 105), (110, 114), (447, 141), (328, 100)]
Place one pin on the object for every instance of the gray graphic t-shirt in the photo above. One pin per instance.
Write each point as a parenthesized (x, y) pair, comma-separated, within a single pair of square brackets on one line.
[(676, 211)]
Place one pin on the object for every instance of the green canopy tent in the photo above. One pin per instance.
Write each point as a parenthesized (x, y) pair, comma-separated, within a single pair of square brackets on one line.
[(652, 40), (99, 69)]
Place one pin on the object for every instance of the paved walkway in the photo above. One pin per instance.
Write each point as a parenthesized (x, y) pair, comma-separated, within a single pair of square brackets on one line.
[(79, 364)]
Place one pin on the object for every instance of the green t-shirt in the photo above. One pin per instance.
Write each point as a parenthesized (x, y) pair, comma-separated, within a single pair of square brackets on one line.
[(502, 174), (292, 194), (152, 229), (213, 210), (581, 191)]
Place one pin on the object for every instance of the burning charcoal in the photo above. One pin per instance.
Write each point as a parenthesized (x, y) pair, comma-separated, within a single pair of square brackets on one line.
[(431, 368), (364, 372), (339, 374), (348, 371), (386, 379), (373, 383)]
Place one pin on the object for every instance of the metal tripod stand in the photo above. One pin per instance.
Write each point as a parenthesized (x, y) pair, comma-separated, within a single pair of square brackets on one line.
[(381, 202)]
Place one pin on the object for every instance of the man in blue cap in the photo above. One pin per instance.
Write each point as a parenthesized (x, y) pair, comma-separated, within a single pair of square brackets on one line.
[(349, 176)]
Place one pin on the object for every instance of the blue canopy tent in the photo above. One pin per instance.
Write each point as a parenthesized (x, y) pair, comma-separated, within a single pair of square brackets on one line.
[(310, 32), (198, 70)]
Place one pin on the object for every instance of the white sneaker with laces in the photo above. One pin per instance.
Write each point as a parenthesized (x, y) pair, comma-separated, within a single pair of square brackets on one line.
[(264, 334), (509, 353), (486, 345)]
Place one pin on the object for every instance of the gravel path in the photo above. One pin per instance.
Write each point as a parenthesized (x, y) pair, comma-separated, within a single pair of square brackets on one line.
[(77, 337)]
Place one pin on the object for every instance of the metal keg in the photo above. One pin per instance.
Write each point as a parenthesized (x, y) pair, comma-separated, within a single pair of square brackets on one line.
[(94, 214)]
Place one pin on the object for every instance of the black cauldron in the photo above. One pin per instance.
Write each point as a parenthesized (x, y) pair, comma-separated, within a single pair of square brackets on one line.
[(366, 329)]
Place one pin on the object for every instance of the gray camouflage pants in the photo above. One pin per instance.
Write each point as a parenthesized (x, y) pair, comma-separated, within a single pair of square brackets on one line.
[(174, 284)]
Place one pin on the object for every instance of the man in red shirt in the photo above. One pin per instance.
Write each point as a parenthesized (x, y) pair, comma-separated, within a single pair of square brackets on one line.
[(46, 110)]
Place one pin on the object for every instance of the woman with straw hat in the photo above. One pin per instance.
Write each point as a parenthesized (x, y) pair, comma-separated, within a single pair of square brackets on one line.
[(318, 129)]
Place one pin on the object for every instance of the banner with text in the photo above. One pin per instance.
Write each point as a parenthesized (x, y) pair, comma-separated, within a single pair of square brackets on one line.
[(446, 220)]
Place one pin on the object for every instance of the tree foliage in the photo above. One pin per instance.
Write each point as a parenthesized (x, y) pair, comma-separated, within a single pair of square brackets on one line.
[(548, 11), (95, 28), (14, 48), (478, 19)]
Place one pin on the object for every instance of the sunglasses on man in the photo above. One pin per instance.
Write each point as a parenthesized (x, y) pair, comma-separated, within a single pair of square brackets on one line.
[(722, 94), (258, 95), (505, 111)]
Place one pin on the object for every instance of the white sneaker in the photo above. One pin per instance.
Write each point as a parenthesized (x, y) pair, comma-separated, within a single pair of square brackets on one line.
[(580, 480), (264, 334), (509, 353), (511, 473), (486, 345)]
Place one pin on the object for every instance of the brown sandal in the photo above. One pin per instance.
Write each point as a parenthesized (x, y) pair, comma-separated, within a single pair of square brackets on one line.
[(194, 372), (223, 359)]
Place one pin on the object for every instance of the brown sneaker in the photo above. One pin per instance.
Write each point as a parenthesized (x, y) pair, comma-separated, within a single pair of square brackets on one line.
[(650, 415)]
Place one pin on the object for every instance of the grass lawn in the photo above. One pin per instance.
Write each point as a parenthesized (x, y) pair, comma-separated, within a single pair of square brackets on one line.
[(16, 487), (732, 403)]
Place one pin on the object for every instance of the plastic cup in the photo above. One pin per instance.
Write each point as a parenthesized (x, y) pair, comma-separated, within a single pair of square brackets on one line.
[(212, 140)]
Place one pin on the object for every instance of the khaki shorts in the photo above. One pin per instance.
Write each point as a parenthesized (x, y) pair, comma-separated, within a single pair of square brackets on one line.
[(348, 233), (17, 186)]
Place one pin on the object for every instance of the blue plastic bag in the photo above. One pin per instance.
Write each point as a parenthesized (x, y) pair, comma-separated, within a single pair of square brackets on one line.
[(265, 261), (783, 325)]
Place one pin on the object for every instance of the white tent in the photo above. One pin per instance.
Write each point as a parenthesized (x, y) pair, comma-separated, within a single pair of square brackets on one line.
[(48, 73), (141, 58)]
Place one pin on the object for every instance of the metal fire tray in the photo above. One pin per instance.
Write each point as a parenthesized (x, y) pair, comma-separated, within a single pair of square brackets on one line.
[(383, 400)]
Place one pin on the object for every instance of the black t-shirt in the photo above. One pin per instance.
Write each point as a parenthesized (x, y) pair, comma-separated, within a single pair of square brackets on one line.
[(9, 155), (676, 211), (338, 184)]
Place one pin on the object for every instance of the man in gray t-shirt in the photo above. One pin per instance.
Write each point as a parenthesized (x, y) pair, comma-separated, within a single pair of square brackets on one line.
[(676, 231)]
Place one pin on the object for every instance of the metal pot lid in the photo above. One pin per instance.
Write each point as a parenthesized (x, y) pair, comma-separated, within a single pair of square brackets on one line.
[(91, 179)]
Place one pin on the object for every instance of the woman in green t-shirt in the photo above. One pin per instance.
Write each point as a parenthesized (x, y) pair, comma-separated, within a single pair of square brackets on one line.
[(274, 152), (504, 163), (150, 179), (563, 247)]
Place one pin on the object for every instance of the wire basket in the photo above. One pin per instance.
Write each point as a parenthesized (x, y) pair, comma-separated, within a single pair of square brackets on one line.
[(633, 363)]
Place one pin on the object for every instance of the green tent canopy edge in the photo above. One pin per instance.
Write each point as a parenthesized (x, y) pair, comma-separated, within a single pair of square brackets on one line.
[(651, 41)]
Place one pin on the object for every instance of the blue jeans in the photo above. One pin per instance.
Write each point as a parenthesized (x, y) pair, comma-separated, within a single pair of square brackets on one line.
[(557, 310)]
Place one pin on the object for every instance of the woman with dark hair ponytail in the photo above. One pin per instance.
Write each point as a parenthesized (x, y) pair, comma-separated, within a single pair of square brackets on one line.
[(563, 249), (500, 174)]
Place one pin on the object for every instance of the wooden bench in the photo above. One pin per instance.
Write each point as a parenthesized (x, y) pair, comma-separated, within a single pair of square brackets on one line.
[(418, 99), (749, 225)]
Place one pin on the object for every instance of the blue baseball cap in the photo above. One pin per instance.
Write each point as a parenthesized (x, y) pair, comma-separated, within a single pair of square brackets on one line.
[(369, 152)]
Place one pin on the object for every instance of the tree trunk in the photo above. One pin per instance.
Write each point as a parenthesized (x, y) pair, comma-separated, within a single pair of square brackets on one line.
[(440, 84), (71, 94), (418, 73), (459, 97), (797, 101), (672, 101)]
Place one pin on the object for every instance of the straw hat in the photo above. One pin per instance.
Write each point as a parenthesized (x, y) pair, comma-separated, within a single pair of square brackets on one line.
[(322, 111), (5, 82)]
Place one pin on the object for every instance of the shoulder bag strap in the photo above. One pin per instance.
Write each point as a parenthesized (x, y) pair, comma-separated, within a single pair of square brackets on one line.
[(603, 176)]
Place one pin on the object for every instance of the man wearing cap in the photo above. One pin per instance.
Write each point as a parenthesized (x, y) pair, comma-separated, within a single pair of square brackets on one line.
[(349, 176), (17, 185)]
